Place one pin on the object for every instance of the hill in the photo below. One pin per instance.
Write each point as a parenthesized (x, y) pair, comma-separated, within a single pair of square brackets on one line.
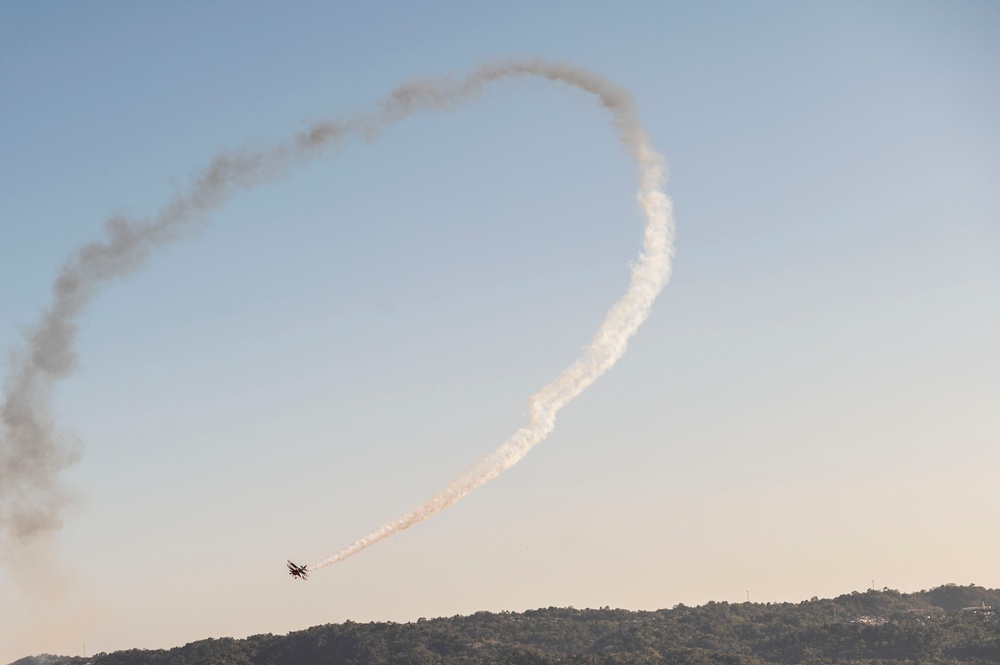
[(946, 625)]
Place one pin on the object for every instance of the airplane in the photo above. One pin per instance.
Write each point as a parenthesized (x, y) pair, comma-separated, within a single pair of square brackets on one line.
[(297, 571)]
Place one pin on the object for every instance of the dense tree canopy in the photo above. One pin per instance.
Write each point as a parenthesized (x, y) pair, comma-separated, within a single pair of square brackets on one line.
[(949, 624)]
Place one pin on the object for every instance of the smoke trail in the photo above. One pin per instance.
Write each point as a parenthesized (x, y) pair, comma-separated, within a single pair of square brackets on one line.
[(649, 275), (32, 454)]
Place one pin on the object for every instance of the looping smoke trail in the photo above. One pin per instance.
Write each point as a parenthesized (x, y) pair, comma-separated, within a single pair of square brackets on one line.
[(649, 275), (32, 454)]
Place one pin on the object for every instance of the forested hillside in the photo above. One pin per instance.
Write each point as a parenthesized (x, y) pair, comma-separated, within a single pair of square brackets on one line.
[(949, 624)]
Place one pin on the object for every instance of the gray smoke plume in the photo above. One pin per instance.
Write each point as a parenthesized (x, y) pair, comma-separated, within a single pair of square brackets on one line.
[(32, 453)]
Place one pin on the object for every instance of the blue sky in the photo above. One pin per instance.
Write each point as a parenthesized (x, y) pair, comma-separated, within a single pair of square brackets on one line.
[(811, 405)]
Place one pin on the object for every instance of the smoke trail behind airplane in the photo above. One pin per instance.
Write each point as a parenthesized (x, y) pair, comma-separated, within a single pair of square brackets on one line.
[(33, 453), (649, 275)]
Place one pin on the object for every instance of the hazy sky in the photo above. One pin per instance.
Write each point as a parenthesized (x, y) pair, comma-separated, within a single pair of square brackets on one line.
[(813, 404)]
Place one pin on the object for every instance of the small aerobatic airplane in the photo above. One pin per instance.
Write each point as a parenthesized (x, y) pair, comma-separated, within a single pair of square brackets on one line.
[(297, 571)]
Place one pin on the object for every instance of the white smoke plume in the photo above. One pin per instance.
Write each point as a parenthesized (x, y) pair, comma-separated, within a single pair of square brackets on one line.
[(649, 275), (32, 453)]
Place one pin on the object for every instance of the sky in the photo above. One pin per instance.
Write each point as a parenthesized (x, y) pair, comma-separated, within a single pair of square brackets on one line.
[(812, 407)]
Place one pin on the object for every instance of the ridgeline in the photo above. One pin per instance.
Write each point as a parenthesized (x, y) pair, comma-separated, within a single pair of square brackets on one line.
[(947, 625)]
